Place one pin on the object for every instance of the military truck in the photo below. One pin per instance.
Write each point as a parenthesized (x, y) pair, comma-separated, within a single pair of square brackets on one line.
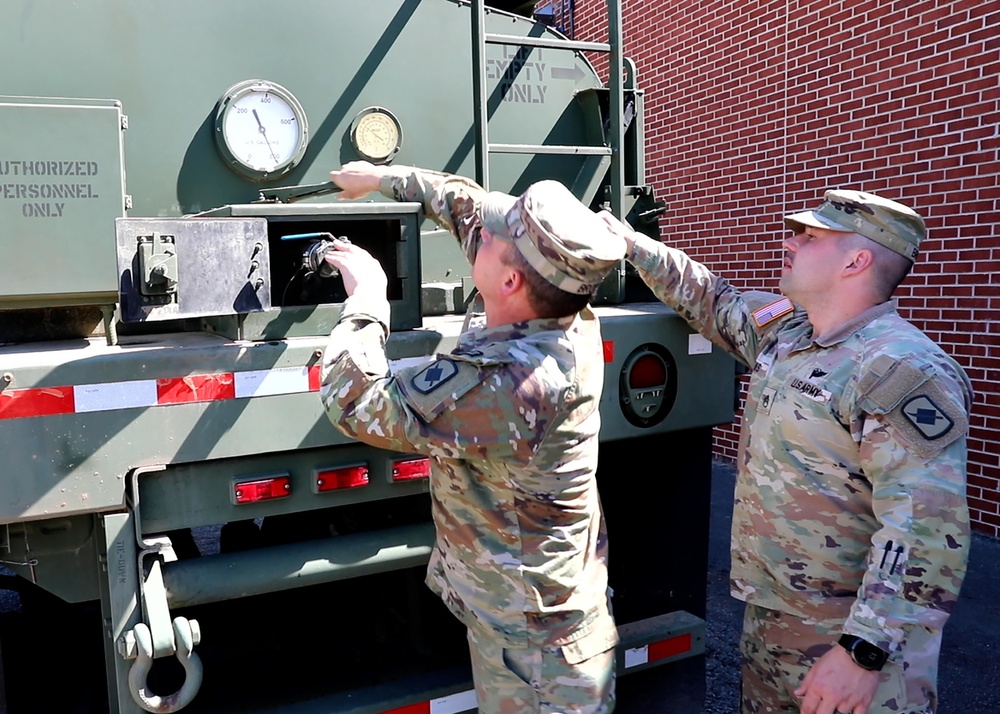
[(179, 520)]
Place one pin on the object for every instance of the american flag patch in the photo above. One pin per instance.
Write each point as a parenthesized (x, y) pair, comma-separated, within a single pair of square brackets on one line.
[(772, 311)]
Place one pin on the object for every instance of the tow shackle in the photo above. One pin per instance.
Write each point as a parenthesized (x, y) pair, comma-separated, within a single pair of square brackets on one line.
[(186, 636)]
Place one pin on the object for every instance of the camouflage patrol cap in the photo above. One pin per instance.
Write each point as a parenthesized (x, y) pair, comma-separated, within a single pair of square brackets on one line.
[(897, 227), (563, 240)]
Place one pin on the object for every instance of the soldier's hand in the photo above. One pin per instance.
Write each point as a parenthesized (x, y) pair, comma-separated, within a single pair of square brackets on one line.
[(836, 684), (357, 178), (619, 228), (361, 272)]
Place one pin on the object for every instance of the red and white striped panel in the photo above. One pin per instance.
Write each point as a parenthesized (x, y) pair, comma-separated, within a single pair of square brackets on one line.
[(144, 393), (452, 704), (656, 651)]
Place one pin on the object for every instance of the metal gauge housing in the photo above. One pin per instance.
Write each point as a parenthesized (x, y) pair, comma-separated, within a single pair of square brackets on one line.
[(376, 134), (261, 129)]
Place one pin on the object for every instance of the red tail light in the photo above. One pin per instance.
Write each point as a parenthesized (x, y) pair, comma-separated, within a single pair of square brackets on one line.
[(410, 469), (648, 371), (647, 386), (344, 477), (262, 489)]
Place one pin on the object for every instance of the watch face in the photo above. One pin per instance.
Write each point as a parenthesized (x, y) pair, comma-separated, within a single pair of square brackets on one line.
[(867, 654), (864, 653)]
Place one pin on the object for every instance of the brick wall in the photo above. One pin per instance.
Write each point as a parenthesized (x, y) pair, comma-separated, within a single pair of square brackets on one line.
[(755, 107)]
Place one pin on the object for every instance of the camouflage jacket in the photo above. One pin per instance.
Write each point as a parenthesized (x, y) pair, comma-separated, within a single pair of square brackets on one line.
[(510, 421), (850, 498)]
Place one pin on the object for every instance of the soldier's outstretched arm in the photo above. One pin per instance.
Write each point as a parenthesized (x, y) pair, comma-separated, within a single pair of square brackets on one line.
[(708, 302), (357, 178), (447, 199)]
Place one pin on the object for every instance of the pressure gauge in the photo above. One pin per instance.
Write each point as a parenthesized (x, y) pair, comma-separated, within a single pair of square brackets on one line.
[(260, 129), (376, 134)]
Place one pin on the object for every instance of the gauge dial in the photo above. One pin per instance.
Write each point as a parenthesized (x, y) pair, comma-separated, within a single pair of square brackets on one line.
[(260, 129), (376, 134)]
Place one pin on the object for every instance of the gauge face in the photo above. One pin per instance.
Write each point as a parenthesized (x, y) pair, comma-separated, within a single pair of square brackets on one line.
[(261, 129), (376, 134)]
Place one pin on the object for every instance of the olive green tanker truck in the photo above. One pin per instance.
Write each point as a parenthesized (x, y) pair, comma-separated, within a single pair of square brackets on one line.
[(168, 476)]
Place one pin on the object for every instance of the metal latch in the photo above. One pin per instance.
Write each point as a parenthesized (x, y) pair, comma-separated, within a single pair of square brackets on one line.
[(157, 265)]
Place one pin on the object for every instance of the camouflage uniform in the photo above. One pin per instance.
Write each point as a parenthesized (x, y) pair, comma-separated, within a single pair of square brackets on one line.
[(850, 513), (510, 421)]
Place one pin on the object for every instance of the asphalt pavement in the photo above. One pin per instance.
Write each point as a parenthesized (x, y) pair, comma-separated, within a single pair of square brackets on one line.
[(969, 672)]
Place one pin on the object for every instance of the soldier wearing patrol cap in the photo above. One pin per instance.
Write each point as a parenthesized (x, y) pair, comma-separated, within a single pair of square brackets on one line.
[(510, 420), (850, 522), (888, 223)]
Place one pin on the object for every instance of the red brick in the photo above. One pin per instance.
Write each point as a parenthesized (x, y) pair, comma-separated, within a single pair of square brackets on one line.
[(740, 110)]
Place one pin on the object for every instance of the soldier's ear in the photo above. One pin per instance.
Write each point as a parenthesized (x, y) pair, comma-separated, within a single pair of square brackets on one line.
[(513, 281), (860, 260)]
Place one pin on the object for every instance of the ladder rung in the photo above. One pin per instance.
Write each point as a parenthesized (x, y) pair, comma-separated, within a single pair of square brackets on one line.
[(555, 44), (549, 149)]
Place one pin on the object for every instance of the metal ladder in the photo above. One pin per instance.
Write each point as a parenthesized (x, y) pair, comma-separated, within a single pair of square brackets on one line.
[(616, 105)]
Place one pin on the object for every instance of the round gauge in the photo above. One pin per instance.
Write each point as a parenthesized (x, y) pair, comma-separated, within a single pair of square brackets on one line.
[(376, 134), (260, 129)]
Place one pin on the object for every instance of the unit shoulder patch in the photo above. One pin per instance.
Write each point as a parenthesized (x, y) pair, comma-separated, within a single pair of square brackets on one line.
[(434, 375), (432, 388), (926, 417), (928, 420), (916, 404)]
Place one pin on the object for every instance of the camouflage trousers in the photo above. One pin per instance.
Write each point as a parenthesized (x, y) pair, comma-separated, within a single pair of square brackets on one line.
[(778, 650), (539, 680)]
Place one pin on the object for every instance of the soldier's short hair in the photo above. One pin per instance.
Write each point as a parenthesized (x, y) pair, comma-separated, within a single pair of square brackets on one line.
[(545, 298), (890, 267)]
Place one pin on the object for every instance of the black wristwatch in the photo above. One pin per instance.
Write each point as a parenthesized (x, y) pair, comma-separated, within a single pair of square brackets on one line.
[(864, 653)]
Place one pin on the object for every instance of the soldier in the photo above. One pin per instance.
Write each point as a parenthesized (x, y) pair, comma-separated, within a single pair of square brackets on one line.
[(510, 422), (850, 525)]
